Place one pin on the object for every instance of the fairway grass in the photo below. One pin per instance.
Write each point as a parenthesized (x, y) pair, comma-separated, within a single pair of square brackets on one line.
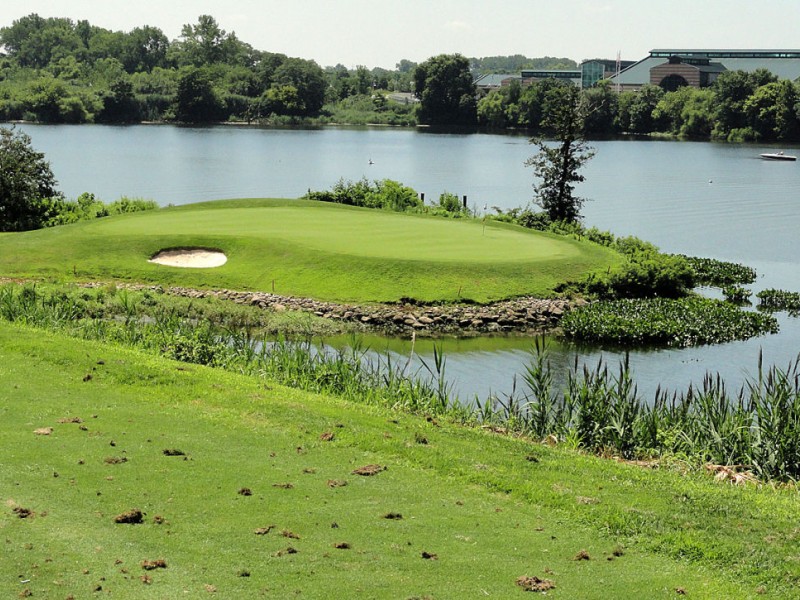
[(484, 509), (311, 249)]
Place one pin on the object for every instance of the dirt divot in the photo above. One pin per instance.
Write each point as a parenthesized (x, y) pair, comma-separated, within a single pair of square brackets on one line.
[(582, 555), (131, 517), (534, 584), (173, 452), (264, 530), (22, 512), (369, 470)]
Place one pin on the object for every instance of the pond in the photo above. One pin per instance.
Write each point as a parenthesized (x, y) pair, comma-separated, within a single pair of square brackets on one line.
[(704, 199)]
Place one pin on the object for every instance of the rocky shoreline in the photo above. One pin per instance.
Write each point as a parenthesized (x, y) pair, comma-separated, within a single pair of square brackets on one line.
[(525, 315), (520, 315)]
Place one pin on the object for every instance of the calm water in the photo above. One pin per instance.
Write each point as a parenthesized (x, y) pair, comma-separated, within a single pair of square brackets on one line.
[(704, 199)]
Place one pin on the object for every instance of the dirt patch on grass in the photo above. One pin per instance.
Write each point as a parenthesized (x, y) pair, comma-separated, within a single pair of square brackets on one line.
[(264, 530), (131, 517), (534, 584), (70, 420), (582, 555), (149, 565), (194, 258), (173, 452), (369, 470), (22, 512)]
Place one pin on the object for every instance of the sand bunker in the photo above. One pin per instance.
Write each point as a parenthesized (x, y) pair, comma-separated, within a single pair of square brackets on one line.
[(196, 258)]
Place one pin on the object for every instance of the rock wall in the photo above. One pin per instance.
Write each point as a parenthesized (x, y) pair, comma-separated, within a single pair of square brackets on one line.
[(518, 315)]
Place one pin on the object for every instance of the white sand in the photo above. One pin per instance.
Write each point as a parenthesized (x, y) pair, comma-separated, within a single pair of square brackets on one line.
[(190, 258)]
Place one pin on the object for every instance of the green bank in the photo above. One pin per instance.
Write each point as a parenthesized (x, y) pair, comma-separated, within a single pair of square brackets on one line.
[(251, 489), (312, 249)]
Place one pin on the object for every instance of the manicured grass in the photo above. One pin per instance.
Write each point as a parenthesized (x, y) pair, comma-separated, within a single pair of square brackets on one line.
[(312, 249), (490, 508)]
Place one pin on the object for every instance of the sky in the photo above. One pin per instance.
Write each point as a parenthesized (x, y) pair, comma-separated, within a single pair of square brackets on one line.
[(379, 33)]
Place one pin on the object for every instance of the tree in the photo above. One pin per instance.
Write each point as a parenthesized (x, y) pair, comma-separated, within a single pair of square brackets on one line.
[(731, 91), (308, 78), (686, 112), (196, 101), (557, 166), (26, 181), (446, 91), (771, 111)]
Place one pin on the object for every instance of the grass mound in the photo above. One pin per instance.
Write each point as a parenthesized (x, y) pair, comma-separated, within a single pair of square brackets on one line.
[(311, 249)]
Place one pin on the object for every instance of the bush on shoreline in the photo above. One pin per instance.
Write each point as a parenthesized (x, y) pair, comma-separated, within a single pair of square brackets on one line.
[(59, 211)]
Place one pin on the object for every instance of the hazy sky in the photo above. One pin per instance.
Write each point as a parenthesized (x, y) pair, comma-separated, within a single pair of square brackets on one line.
[(378, 33)]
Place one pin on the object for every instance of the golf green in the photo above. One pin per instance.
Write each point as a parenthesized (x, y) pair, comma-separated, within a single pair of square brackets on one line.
[(312, 249)]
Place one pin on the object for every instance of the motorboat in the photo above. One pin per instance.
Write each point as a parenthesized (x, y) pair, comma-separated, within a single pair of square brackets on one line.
[(777, 156)]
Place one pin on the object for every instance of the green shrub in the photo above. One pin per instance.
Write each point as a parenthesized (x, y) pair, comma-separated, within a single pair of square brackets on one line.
[(386, 193), (130, 205), (450, 202)]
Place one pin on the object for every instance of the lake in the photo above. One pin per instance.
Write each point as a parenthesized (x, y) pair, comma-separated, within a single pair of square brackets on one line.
[(704, 199)]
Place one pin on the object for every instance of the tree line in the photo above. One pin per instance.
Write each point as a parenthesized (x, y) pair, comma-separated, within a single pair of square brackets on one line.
[(738, 106), (56, 70)]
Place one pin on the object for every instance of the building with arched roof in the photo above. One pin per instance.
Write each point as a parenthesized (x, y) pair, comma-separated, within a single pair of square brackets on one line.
[(699, 68)]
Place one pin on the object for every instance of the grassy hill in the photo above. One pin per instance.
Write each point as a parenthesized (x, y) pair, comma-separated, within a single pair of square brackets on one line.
[(312, 249), (257, 496)]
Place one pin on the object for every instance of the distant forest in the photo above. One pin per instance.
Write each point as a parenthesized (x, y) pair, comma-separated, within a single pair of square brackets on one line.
[(56, 70)]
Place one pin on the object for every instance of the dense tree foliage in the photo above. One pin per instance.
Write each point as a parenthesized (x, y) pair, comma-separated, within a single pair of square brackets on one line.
[(446, 91), (56, 70), (26, 182), (517, 63), (739, 106)]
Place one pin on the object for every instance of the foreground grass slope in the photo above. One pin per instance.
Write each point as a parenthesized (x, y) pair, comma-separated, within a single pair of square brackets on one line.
[(312, 249), (484, 509)]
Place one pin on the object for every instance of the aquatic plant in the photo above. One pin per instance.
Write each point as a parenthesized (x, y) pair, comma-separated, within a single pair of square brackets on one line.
[(667, 322), (776, 300), (719, 273)]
